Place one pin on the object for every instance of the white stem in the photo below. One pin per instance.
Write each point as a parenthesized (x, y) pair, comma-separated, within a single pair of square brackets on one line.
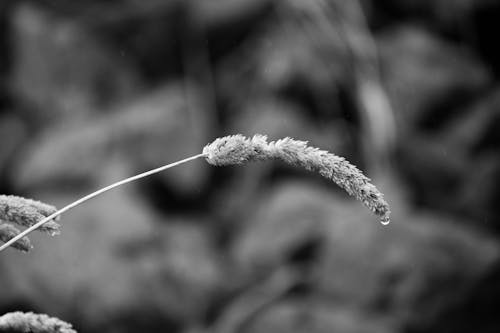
[(94, 194)]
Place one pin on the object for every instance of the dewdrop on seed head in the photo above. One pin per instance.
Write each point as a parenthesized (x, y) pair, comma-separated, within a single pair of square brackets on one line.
[(237, 149)]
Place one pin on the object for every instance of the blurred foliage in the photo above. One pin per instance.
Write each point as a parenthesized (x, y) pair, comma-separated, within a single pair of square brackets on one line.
[(94, 91)]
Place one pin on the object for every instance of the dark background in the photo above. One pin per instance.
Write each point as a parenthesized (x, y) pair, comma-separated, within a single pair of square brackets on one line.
[(408, 90)]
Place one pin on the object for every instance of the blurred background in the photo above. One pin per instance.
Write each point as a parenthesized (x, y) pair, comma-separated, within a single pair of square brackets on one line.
[(408, 90)]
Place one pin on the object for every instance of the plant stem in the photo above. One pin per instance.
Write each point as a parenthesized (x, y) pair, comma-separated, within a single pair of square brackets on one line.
[(94, 194)]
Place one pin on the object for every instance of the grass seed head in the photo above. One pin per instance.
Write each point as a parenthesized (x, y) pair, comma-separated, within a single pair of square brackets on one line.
[(34, 323), (238, 149), (26, 212), (8, 232)]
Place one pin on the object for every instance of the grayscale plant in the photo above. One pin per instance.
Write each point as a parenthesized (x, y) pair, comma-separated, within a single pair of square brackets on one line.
[(228, 150)]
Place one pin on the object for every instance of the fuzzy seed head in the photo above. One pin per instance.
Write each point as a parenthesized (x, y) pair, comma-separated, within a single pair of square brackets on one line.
[(237, 149), (7, 232), (33, 323), (26, 212)]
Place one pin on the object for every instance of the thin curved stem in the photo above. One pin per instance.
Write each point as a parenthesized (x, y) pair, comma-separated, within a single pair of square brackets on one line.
[(94, 194)]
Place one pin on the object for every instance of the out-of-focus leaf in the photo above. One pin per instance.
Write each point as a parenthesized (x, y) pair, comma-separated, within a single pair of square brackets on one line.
[(62, 71), (13, 134), (407, 271), (314, 317), (222, 13), (157, 129), (298, 53), (426, 76)]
